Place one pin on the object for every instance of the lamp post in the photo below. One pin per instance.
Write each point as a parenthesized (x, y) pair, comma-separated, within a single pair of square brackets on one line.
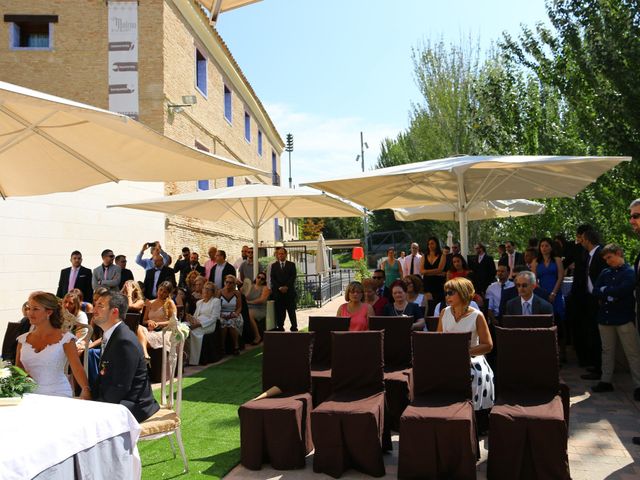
[(289, 148), (360, 157)]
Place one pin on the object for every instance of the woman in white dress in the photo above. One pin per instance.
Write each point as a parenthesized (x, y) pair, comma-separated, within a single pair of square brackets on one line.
[(43, 353), (460, 317), (203, 321), (230, 317)]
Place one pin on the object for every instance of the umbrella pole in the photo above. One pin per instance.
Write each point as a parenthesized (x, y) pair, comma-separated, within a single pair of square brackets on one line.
[(464, 232), (256, 255)]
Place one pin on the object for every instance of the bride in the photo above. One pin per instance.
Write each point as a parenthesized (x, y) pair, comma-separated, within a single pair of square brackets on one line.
[(43, 353)]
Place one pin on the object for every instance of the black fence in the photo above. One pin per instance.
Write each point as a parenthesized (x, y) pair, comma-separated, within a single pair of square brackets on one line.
[(316, 290)]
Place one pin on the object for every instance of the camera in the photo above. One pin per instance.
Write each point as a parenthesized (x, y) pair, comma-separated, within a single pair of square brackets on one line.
[(151, 244)]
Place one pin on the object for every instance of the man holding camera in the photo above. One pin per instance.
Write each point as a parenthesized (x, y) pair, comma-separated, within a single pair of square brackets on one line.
[(155, 248)]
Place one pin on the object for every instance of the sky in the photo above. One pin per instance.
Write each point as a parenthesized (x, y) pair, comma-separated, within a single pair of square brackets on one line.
[(327, 70)]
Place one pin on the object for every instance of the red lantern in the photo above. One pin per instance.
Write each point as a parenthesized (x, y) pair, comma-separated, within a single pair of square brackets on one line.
[(358, 253)]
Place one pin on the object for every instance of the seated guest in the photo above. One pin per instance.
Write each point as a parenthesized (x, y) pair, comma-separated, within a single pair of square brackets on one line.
[(86, 307), (527, 303), (512, 292), (123, 375), (125, 273), (443, 304), (158, 274), (196, 293), (80, 322), (496, 289), (460, 317), (203, 321), (10, 353), (154, 249), (221, 269), (459, 267), (132, 291), (189, 280), (356, 309), (401, 307), (414, 290), (156, 318), (257, 299), (371, 296), (381, 289), (231, 320), (44, 352)]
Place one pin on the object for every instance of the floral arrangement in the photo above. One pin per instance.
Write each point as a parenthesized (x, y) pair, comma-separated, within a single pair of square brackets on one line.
[(14, 382)]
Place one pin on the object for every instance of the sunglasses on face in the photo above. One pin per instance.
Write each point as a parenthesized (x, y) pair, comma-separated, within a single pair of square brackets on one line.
[(450, 293), (635, 216)]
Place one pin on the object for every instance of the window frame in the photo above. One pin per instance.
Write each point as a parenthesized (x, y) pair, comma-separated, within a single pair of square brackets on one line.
[(247, 126), (226, 90), (13, 26), (198, 51), (259, 142)]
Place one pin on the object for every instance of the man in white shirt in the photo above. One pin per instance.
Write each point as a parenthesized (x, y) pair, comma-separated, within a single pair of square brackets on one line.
[(412, 261), (526, 303), (494, 291)]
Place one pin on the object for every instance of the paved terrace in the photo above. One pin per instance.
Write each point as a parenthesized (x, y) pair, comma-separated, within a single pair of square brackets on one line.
[(601, 428)]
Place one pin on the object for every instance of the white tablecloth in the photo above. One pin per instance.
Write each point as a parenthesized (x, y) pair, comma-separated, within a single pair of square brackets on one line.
[(42, 431)]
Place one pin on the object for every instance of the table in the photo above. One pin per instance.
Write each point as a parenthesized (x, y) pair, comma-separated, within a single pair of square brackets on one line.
[(44, 436)]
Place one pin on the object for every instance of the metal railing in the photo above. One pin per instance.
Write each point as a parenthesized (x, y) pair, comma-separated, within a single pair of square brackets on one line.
[(316, 290)]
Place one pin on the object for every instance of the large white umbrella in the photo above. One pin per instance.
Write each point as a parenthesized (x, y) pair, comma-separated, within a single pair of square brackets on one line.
[(480, 211), (50, 144), (322, 259), (253, 204), (462, 182)]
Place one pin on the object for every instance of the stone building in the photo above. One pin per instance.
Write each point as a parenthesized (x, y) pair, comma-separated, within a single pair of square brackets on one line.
[(162, 62)]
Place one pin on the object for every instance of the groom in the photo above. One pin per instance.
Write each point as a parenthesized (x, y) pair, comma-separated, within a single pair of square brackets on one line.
[(123, 376)]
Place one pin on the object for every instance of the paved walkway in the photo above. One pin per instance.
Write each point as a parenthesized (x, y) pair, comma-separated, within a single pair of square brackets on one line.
[(601, 428)]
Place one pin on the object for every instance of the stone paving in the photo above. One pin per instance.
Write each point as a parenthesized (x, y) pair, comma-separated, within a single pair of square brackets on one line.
[(601, 428)]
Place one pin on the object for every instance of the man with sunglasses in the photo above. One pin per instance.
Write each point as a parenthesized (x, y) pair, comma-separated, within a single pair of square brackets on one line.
[(108, 274), (381, 289), (527, 303)]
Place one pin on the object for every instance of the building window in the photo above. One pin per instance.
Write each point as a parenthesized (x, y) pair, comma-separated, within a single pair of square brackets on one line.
[(31, 32), (275, 178), (247, 127), (202, 184), (229, 181), (201, 72), (259, 143), (227, 103)]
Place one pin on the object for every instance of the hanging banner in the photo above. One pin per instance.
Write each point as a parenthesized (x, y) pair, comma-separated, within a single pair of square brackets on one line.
[(123, 58)]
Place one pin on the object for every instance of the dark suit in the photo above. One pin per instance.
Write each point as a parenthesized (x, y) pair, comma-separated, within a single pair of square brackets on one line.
[(123, 375), (518, 259), (125, 274), (166, 274), (83, 283), (228, 269), (284, 302), (180, 267), (593, 343), (636, 268), (512, 292), (484, 273), (538, 306)]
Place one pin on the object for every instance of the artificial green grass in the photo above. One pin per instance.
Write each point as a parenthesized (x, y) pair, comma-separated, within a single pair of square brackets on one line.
[(210, 425)]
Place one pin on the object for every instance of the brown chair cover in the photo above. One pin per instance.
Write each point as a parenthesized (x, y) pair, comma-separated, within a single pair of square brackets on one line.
[(397, 363), (528, 430), (527, 321), (437, 431), (321, 359), (348, 428), (132, 321), (431, 323), (276, 430)]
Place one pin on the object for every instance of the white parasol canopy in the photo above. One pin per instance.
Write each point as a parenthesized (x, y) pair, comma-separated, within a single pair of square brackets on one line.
[(253, 204), (50, 144), (462, 182), (322, 259), (480, 211)]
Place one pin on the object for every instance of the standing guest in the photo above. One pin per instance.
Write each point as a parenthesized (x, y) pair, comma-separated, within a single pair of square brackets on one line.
[(154, 249), (106, 275), (495, 291), (459, 267), (158, 274), (257, 299), (577, 299), (511, 257), (432, 268), (455, 248), (371, 296), (392, 268), (123, 375), (402, 307), (501, 250), (182, 264), (221, 269), (125, 273), (381, 288), (412, 261), (530, 255), (483, 267), (634, 220), (527, 303), (283, 287), (415, 293), (594, 266), (244, 254), (208, 265), (75, 276), (459, 317), (246, 268), (616, 315), (194, 265), (231, 320), (356, 309), (203, 321), (135, 298), (44, 352)]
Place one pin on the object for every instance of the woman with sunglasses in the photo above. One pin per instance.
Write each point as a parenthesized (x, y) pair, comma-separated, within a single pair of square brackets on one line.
[(257, 299), (459, 317), (230, 317), (355, 308)]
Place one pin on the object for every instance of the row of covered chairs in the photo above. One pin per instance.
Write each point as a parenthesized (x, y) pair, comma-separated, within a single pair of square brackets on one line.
[(528, 433)]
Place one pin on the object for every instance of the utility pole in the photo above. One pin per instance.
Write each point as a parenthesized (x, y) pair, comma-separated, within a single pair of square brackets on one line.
[(289, 148)]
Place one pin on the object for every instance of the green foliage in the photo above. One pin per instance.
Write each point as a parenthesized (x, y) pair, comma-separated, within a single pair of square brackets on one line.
[(14, 382), (362, 271)]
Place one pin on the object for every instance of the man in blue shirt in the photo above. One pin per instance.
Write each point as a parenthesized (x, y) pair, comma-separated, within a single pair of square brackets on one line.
[(616, 315), (147, 263)]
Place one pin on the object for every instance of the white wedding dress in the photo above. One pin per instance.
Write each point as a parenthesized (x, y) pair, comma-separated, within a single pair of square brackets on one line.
[(46, 367)]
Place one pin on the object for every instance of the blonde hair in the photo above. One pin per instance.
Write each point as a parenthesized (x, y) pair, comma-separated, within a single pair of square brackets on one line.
[(137, 291), (76, 301), (353, 286), (463, 287)]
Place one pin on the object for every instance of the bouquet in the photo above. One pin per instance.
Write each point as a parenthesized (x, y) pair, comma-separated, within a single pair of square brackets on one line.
[(14, 382)]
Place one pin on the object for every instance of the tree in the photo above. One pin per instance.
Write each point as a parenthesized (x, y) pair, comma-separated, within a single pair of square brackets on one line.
[(310, 228)]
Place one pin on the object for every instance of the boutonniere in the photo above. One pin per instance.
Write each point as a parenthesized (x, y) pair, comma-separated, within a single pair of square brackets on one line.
[(103, 366)]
